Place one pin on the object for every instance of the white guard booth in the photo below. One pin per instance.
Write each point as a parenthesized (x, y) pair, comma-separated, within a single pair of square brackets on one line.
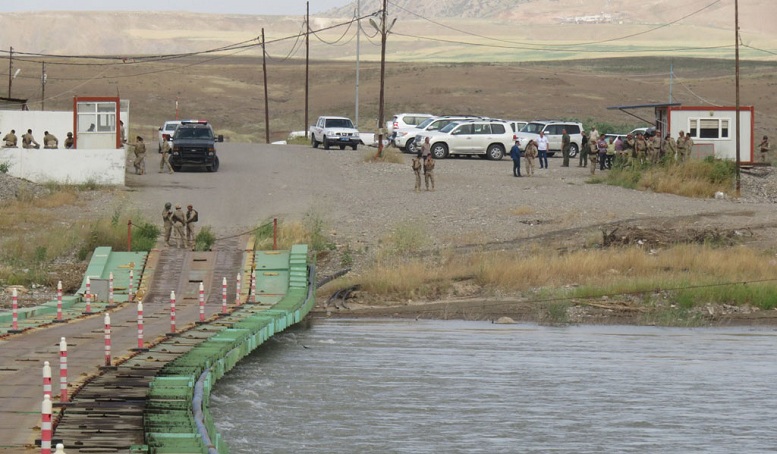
[(714, 128)]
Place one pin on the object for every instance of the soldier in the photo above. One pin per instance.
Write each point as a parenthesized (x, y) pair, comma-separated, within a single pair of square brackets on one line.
[(191, 218), (670, 147), (684, 146), (49, 140), (28, 141), (529, 154), (179, 221), (583, 158), (565, 144), (629, 148), (69, 142), (167, 218), (165, 159), (593, 153), (10, 139), (140, 156), (640, 147), (654, 147), (763, 147), (429, 172), (123, 132), (416, 165)]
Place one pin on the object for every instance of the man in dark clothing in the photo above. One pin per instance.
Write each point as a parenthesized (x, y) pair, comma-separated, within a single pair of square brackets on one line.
[(565, 144), (515, 154)]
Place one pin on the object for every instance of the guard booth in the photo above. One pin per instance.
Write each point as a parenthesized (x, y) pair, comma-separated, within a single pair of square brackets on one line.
[(96, 122)]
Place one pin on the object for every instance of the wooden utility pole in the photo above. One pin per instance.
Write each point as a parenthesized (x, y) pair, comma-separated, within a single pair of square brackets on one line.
[(266, 100), (307, 66), (10, 71), (738, 130), (43, 86), (382, 76)]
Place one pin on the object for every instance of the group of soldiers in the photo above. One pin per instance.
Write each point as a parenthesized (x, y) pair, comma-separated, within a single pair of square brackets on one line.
[(639, 149), (50, 141), (139, 163), (428, 167), (529, 153), (183, 223)]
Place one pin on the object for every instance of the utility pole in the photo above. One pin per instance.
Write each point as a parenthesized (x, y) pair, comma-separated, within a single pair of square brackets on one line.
[(739, 129), (266, 101), (671, 81), (43, 86), (358, 38), (307, 66), (382, 76), (10, 71)]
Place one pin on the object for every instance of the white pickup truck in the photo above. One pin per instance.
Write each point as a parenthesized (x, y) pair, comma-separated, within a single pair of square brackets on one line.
[(337, 131)]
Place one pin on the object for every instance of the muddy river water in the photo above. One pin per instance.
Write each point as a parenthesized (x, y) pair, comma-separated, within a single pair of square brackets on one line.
[(406, 386)]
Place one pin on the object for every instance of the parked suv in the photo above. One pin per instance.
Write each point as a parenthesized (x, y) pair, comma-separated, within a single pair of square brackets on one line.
[(406, 120), (195, 144), (488, 138), (166, 132), (406, 138), (552, 130)]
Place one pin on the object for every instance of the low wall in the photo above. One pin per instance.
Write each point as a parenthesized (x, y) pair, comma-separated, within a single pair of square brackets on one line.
[(101, 166)]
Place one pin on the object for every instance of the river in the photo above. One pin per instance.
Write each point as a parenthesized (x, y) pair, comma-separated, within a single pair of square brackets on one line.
[(407, 386)]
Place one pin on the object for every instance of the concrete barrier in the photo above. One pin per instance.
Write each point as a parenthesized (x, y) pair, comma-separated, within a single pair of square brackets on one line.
[(100, 166)]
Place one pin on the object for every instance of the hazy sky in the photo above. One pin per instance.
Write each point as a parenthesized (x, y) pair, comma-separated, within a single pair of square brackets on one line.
[(291, 7)]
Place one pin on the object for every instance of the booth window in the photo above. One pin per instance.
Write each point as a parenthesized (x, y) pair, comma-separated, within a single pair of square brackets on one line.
[(709, 128), (97, 117)]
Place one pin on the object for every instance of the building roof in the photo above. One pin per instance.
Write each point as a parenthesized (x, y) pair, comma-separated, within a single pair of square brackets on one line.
[(645, 106)]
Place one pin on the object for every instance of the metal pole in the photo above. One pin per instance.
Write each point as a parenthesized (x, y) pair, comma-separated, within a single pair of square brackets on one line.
[(129, 235), (266, 101), (382, 76), (307, 66), (10, 71), (738, 130), (43, 86), (358, 39)]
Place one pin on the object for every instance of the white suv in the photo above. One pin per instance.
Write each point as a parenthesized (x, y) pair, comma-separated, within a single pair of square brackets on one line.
[(406, 120), (407, 138), (166, 132), (489, 138), (553, 131)]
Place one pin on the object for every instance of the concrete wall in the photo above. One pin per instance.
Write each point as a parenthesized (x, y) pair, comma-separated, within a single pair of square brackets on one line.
[(106, 166), (57, 123)]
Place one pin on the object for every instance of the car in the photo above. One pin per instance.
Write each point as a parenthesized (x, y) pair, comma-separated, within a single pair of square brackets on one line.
[(406, 138), (337, 131), (517, 125), (553, 131), (194, 143), (647, 132), (166, 132), (487, 138), (614, 136), (406, 120)]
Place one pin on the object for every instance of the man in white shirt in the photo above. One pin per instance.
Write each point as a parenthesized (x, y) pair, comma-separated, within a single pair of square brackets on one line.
[(542, 148)]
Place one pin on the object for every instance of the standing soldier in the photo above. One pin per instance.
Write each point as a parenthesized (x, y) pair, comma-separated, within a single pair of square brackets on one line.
[(565, 144), (165, 159), (670, 147), (763, 147), (179, 221), (640, 147), (10, 139), (416, 165), (654, 147), (429, 172), (629, 148), (140, 156), (69, 142), (167, 218), (191, 218), (529, 154), (28, 141), (49, 140), (684, 146), (583, 159), (593, 153)]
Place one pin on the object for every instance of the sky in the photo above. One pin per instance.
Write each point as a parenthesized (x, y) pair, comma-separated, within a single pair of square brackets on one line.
[(263, 7)]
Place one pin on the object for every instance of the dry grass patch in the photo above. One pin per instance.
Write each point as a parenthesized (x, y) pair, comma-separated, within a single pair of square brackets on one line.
[(522, 211)]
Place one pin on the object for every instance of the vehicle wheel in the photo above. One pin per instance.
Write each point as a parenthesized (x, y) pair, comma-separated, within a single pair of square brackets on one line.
[(313, 141), (342, 147), (572, 150), (440, 151), (213, 167), (354, 146), (176, 168), (495, 152), (326, 144), (551, 154), (410, 146)]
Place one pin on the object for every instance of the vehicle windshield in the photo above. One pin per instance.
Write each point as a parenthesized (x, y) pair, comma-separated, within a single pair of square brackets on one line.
[(449, 127), (425, 123), (534, 128), (171, 126), (192, 133), (338, 123)]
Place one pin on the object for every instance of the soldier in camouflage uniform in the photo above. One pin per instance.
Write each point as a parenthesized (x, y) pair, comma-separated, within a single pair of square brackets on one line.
[(529, 153), (416, 166), (763, 147), (167, 219), (191, 218), (28, 141), (10, 139), (429, 172), (140, 156), (165, 162), (670, 147), (654, 148), (69, 141), (50, 140), (179, 221), (640, 147), (593, 154)]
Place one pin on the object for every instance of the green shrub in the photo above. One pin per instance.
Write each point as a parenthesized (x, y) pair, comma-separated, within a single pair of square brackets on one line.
[(4, 167), (204, 239)]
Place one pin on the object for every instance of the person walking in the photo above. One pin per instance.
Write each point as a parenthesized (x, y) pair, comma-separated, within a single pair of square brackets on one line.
[(10, 139), (50, 140), (179, 222), (69, 142), (192, 216), (167, 219), (165, 162), (763, 147), (583, 158), (140, 156), (429, 172), (515, 154), (425, 150), (565, 144), (542, 150), (529, 154), (416, 166), (28, 141)]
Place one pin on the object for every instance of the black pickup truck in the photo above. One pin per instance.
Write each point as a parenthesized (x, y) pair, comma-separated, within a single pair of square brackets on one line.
[(195, 144)]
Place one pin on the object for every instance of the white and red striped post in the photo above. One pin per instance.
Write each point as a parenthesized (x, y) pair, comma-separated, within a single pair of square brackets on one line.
[(88, 295), (15, 310), (45, 425), (253, 286), (172, 312), (46, 379), (63, 371), (140, 325), (202, 303), (130, 287), (237, 291), (107, 335), (224, 295), (59, 301), (110, 289)]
